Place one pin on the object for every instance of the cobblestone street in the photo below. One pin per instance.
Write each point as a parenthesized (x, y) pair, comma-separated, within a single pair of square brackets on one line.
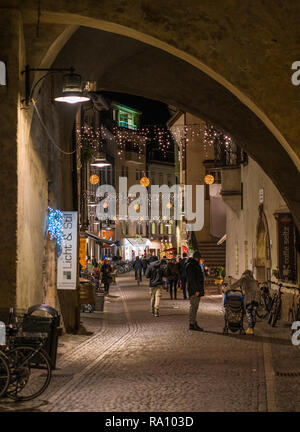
[(133, 362)]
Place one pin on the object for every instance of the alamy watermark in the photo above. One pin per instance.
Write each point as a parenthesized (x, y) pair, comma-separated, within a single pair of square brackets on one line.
[(162, 201), (295, 78), (2, 333)]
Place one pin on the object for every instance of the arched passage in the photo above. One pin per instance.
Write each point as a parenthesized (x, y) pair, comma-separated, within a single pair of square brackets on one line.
[(131, 66)]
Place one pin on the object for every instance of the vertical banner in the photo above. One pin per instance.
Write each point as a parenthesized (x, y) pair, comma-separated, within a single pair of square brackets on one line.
[(286, 247), (67, 261)]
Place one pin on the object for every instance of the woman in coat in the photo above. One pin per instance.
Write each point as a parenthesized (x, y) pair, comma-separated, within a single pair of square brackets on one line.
[(251, 292)]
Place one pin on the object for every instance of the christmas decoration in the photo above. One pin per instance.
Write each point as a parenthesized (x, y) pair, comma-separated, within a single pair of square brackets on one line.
[(55, 228), (209, 179), (94, 179), (145, 181)]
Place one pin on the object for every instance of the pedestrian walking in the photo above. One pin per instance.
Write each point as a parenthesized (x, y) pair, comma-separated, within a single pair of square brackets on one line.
[(154, 272), (182, 270), (144, 264), (173, 277), (138, 268), (250, 289), (106, 271), (195, 285)]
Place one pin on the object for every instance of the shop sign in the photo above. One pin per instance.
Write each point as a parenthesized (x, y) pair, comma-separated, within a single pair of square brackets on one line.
[(67, 261), (286, 247)]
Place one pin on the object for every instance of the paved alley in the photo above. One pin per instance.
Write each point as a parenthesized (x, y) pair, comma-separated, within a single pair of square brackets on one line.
[(131, 361)]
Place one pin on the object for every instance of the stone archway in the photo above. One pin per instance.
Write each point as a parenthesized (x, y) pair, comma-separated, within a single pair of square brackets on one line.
[(224, 53)]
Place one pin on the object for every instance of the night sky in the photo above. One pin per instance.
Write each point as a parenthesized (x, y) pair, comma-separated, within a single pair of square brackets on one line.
[(153, 112)]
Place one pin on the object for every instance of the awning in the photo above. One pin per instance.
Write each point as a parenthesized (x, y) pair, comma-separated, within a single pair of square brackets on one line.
[(99, 239), (222, 239), (155, 244), (138, 242)]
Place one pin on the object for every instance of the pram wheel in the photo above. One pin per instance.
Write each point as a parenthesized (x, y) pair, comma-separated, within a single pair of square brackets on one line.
[(242, 331)]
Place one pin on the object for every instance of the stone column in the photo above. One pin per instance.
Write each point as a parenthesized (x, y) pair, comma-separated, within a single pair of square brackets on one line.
[(10, 53)]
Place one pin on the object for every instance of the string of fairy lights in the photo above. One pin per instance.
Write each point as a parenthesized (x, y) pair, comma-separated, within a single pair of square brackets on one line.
[(184, 135)]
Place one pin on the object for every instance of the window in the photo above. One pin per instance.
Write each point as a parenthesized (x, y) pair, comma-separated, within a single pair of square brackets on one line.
[(127, 172), (161, 179), (162, 228), (153, 228), (128, 120), (170, 229), (137, 174)]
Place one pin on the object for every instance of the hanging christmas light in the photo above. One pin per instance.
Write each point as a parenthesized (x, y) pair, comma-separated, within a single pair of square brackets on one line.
[(145, 181), (94, 179), (55, 227), (209, 179)]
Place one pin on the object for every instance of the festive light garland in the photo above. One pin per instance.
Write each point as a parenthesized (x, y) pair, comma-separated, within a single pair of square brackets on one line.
[(55, 228), (136, 140)]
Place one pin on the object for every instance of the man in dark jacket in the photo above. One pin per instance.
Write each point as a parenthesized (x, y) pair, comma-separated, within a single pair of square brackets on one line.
[(195, 281), (154, 272)]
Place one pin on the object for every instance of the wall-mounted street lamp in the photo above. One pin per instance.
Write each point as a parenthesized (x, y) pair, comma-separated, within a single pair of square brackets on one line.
[(72, 90)]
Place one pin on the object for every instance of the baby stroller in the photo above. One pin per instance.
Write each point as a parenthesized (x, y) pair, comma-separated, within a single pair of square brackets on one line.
[(234, 311)]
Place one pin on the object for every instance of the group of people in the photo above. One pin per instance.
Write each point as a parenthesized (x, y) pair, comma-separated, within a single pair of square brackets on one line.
[(191, 272), (101, 271)]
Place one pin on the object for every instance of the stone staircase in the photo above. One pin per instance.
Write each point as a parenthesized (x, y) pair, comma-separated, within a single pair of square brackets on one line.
[(214, 256)]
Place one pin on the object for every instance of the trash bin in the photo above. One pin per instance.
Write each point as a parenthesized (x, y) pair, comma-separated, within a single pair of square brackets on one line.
[(100, 301), (42, 326)]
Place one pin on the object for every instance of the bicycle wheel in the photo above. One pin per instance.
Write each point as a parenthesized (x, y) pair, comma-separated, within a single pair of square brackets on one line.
[(30, 373), (4, 374)]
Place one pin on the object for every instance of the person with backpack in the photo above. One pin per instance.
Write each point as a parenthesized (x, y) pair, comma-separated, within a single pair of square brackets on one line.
[(195, 281), (155, 273), (182, 271)]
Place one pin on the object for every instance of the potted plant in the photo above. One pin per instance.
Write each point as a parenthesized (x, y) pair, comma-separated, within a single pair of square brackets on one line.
[(219, 274)]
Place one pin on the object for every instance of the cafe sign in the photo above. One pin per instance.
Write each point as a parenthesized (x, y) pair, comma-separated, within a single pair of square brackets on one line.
[(286, 247), (67, 261)]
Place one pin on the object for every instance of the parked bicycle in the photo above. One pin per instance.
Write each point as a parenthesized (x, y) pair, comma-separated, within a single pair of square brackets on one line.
[(275, 308), (265, 300), (25, 367)]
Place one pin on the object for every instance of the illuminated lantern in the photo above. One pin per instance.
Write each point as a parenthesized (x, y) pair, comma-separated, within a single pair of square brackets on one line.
[(169, 205), (145, 181), (136, 207), (94, 179), (209, 179), (105, 205)]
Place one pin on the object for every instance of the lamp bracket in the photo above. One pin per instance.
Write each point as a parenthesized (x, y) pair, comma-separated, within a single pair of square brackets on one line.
[(28, 70)]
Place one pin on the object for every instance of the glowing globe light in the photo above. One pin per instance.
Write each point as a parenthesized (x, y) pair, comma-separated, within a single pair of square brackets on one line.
[(105, 205), (145, 181), (209, 179), (94, 179), (136, 207), (169, 205)]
